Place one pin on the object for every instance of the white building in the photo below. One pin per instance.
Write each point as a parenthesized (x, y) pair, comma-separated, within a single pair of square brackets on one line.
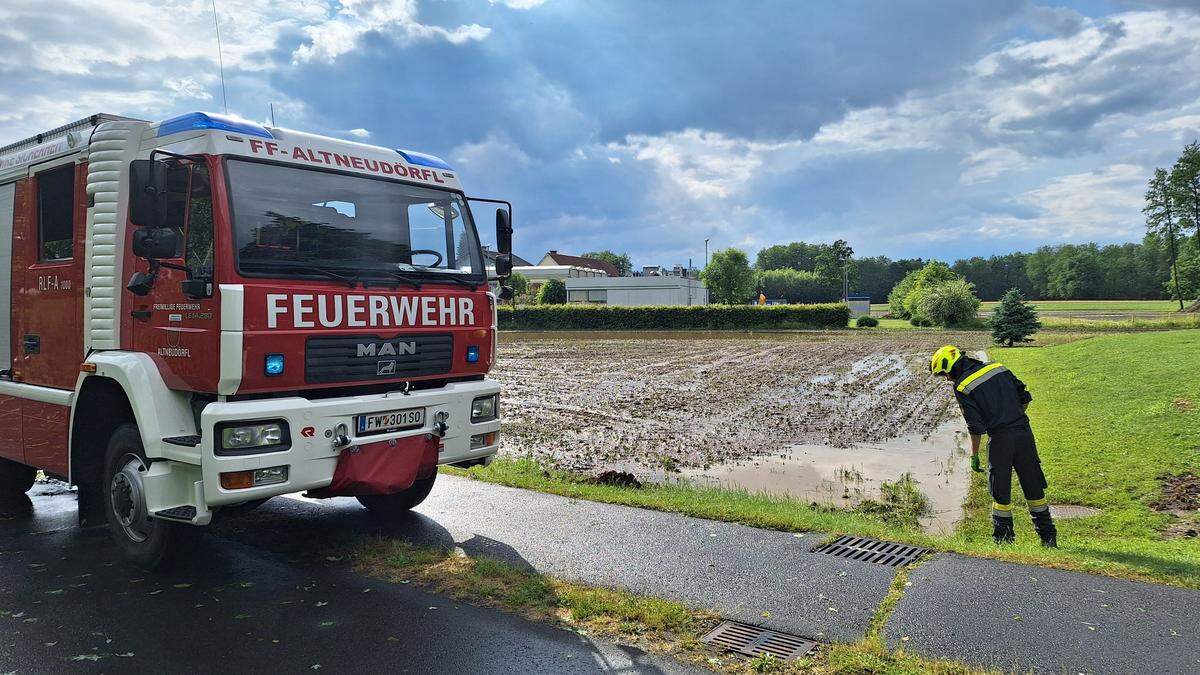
[(637, 291)]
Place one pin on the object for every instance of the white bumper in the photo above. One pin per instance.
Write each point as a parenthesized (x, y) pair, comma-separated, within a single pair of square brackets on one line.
[(311, 458)]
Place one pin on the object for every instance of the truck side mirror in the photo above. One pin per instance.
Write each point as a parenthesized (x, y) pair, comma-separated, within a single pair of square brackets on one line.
[(503, 264), (152, 185), (154, 243), (504, 232)]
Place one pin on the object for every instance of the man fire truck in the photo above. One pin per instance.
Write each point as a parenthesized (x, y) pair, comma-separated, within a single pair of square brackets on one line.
[(203, 312)]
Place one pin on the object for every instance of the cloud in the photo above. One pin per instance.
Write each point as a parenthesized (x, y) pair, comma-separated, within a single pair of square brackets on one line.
[(340, 32), (519, 4), (359, 133), (989, 164)]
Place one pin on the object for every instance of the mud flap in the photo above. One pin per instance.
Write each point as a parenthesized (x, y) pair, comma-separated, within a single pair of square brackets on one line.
[(382, 468)]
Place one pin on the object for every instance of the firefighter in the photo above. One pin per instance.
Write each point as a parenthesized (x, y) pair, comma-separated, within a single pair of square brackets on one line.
[(993, 402)]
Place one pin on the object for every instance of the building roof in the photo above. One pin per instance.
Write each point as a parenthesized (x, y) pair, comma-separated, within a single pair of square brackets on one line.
[(517, 261), (579, 261)]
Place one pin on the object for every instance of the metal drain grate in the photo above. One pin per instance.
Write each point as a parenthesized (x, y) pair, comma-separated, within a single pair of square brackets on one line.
[(1066, 511), (748, 640), (872, 551)]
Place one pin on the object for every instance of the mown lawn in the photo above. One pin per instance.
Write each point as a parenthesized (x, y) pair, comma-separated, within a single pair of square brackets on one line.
[(1111, 414)]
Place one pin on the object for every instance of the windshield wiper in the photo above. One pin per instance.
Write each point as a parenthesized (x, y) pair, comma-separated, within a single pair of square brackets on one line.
[(352, 282), (398, 277), (462, 282)]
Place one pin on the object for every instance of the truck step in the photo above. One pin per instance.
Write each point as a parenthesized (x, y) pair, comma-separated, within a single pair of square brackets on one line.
[(186, 441), (184, 513)]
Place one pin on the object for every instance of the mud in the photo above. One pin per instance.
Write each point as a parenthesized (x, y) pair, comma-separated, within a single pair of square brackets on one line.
[(1180, 492), (823, 417)]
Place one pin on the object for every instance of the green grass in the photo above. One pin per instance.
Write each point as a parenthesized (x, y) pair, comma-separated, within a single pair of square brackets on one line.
[(1111, 413)]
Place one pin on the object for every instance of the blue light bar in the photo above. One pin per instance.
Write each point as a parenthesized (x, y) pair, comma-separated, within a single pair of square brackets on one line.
[(199, 120), (273, 364), (472, 354), (423, 159)]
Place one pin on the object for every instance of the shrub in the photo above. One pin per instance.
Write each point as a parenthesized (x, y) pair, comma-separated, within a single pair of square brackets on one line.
[(697, 317), (798, 286), (949, 303), (1013, 320), (553, 292), (865, 321), (905, 299)]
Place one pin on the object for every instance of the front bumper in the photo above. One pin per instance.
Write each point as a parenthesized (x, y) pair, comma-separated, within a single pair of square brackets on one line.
[(312, 458)]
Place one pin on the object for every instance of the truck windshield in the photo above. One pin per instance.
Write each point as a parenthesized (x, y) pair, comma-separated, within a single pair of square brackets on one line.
[(291, 222)]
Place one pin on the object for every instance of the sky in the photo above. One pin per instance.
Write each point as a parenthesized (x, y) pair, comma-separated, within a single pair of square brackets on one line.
[(935, 128)]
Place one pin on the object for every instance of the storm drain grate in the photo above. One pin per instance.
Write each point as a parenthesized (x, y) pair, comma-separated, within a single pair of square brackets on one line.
[(748, 640), (871, 551)]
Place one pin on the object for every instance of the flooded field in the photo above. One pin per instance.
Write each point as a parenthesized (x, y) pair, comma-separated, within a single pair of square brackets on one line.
[(819, 416)]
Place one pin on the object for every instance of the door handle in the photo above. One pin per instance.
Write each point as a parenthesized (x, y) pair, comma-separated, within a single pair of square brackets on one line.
[(140, 314), (33, 344)]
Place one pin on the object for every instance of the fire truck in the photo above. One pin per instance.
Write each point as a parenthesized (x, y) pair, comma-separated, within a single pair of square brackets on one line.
[(203, 313)]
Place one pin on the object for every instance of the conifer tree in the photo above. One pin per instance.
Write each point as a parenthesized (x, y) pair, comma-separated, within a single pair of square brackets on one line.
[(1014, 320)]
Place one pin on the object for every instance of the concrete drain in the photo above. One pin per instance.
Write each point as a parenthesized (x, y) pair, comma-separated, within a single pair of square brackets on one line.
[(874, 551), (1068, 511), (753, 641)]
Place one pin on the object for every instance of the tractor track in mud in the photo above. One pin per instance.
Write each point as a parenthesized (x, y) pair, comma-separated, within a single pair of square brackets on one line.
[(594, 401)]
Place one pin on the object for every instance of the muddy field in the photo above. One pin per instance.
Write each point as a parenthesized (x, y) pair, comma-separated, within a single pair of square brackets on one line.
[(677, 401)]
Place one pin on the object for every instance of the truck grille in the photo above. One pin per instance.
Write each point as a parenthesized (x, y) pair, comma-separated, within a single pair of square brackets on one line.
[(352, 358)]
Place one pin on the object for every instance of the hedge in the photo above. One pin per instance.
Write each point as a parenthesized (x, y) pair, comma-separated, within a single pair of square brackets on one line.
[(699, 317)]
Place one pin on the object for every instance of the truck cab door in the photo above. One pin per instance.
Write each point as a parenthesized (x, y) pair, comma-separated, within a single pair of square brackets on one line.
[(181, 332)]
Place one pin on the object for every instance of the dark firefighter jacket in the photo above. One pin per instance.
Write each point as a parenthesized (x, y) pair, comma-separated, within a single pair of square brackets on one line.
[(991, 397)]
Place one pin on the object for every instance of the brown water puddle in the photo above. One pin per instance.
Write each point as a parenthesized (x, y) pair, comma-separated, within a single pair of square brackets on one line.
[(844, 477)]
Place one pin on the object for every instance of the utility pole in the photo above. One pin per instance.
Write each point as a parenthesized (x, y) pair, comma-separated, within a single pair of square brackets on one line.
[(706, 252)]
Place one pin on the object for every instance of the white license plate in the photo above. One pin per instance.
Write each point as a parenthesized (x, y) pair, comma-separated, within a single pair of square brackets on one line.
[(393, 420)]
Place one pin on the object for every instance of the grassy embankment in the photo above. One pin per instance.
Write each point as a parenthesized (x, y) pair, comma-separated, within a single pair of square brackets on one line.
[(1111, 414), (659, 626), (1106, 306)]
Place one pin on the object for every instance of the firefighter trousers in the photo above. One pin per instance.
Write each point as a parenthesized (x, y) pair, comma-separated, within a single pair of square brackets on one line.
[(1010, 449)]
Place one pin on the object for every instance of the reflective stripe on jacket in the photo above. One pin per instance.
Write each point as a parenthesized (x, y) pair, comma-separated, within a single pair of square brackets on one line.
[(990, 396)]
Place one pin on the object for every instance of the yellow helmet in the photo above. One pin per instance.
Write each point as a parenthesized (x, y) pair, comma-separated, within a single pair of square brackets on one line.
[(944, 359)]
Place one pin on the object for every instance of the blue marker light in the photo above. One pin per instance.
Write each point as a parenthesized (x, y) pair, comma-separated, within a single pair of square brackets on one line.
[(274, 364), (472, 354), (423, 159), (199, 120)]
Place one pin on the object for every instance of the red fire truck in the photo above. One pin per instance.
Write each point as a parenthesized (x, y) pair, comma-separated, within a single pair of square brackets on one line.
[(204, 312)]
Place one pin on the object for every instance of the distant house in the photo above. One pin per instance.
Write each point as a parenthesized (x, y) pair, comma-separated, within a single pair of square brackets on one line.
[(555, 265), (489, 259), (555, 258)]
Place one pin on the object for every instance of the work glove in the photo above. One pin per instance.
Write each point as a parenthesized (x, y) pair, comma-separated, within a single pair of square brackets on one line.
[(975, 464)]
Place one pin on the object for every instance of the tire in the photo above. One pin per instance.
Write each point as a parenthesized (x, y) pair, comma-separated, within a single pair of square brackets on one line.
[(15, 479), (399, 503), (149, 543)]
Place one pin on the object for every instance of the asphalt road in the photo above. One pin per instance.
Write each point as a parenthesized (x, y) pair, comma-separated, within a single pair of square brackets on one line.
[(757, 576), (68, 604), (979, 611)]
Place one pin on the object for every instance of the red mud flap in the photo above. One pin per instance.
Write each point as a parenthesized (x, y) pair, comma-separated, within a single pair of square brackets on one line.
[(382, 468)]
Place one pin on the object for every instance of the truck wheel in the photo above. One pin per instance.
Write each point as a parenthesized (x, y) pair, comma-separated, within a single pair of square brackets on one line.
[(15, 479), (399, 503), (147, 542)]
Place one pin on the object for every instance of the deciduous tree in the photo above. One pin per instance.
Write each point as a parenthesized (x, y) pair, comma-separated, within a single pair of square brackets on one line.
[(728, 277)]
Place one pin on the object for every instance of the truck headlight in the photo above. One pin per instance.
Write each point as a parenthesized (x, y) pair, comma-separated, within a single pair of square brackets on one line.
[(485, 408), (238, 438)]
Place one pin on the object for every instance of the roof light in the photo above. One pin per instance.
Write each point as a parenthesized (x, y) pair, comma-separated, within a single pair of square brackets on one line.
[(413, 157), (199, 120)]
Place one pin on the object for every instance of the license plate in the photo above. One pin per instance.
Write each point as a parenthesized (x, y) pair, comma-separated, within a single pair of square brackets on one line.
[(393, 420)]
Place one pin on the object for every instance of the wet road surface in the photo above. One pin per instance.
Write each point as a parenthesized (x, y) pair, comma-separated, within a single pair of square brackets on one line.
[(68, 604)]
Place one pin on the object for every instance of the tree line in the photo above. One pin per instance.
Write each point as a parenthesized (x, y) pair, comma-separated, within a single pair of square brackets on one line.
[(1165, 264)]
